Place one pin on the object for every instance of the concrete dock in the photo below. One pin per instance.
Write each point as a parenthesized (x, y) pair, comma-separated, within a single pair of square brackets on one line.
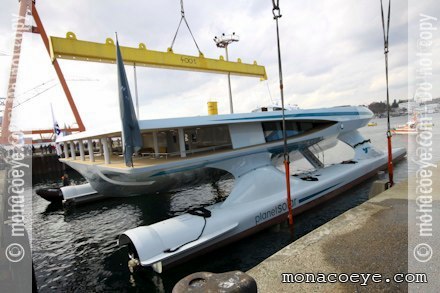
[(370, 238)]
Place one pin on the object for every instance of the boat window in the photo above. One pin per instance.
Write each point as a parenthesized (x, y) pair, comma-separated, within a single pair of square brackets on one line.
[(305, 126), (198, 140), (207, 139), (273, 130)]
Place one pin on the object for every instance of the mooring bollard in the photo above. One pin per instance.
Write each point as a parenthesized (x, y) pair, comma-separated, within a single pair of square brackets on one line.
[(235, 281), (378, 187)]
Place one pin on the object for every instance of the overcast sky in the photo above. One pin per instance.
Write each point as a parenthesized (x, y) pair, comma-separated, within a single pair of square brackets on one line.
[(332, 54)]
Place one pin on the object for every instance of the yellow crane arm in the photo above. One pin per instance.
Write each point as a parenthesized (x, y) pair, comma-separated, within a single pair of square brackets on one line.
[(73, 49)]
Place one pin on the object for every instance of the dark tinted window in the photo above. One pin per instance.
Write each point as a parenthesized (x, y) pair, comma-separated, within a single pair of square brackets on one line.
[(274, 131)]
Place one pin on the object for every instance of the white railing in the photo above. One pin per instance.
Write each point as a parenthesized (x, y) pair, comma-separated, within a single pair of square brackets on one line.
[(188, 152)]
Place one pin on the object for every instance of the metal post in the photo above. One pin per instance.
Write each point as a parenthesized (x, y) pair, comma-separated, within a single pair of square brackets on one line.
[(110, 145), (155, 144), (72, 150), (66, 150), (104, 145), (182, 143), (81, 150), (101, 151), (222, 42), (90, 147), (231, 107)]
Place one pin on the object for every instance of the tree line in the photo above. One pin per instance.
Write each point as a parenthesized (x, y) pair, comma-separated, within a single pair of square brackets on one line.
[(380, 107)]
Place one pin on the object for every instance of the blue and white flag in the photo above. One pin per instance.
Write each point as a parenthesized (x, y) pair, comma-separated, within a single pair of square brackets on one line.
[(56, 131), (131, 135)]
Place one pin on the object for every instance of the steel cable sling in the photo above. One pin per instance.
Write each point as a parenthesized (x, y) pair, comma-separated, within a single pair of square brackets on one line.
[(200, 212), (183, 18), (276, 15), (386, 30)]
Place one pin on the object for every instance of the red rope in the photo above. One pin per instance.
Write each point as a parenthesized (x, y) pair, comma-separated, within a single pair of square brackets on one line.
[(390, 161), (289, 201), (386, 30), (276, 15)]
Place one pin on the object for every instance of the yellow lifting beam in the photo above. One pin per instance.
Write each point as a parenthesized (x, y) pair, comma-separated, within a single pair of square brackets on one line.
[(73, 49)]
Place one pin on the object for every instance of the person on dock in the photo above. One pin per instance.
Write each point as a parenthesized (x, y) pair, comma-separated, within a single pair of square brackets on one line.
[(65, 178)]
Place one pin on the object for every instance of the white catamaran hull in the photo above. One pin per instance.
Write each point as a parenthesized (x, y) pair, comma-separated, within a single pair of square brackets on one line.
[(247, 138), (167, 176), (257, 200)]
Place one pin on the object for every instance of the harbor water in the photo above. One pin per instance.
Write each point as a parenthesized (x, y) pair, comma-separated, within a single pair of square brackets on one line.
[(76, 250)]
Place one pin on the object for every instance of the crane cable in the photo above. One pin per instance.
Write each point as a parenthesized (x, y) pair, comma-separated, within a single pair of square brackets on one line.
[(276, 15), (183, 18), (386, 30)]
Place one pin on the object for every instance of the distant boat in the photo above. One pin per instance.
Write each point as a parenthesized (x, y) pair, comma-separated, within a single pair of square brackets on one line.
[(409, 128), (413, 126)]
